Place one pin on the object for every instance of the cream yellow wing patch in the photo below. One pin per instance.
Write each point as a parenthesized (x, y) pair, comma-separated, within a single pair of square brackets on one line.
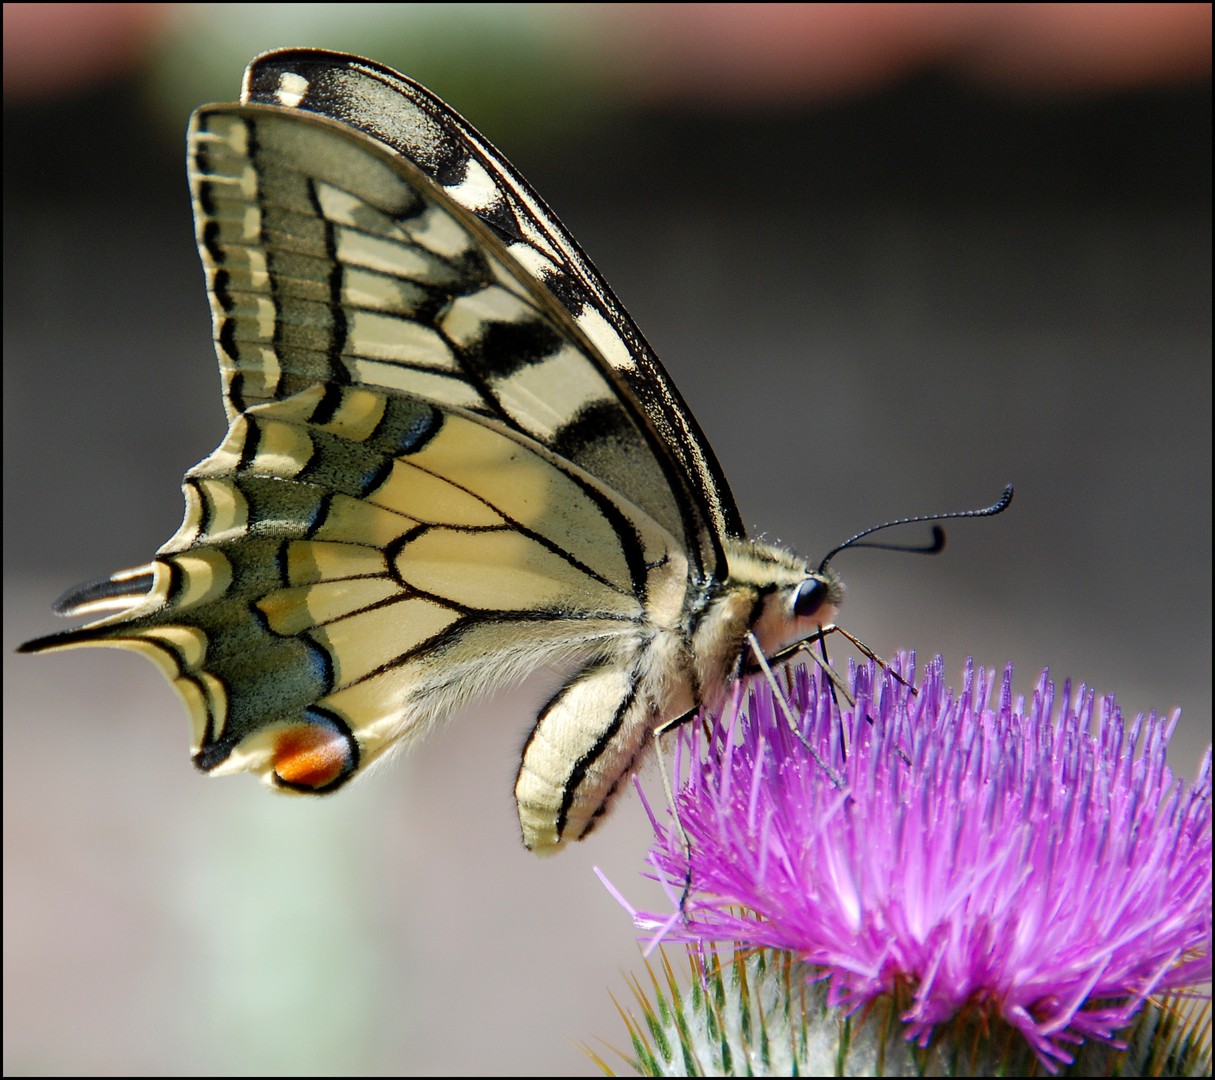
[(451, 458), (341, 545)]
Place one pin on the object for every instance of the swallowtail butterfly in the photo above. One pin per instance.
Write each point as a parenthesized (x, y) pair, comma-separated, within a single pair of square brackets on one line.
[(451, 459)]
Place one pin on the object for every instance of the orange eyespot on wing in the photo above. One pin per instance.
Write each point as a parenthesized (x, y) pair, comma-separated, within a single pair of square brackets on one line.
[(313, 757)]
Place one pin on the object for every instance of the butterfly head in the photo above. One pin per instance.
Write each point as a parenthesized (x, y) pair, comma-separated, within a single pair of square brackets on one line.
[(787, 601), (798, 610)]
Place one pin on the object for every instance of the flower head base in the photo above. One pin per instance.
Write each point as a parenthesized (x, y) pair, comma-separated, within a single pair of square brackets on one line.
[(1003, 855)]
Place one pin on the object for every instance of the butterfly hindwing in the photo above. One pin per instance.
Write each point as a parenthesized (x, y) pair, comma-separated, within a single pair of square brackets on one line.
[(354, 565)]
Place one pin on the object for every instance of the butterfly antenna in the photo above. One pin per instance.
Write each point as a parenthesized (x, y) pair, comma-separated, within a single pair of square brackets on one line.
[(938, 534)]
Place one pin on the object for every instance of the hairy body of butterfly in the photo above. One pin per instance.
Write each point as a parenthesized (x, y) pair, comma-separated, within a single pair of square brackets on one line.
[(451, 459)]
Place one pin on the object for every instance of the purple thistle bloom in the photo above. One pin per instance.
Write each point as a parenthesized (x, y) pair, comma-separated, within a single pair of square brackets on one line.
[(1005, 855)]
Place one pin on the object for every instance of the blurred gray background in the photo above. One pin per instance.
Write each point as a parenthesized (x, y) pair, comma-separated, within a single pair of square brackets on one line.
[(887, 280)]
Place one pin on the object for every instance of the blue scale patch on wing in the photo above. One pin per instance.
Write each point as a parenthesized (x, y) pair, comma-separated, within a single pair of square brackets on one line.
[(353, 565)]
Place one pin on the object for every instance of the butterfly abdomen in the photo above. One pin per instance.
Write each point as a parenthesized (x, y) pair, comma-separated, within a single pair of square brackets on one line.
[(591, 735)]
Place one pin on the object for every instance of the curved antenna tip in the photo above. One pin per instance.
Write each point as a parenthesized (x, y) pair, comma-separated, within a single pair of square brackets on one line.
[(938, 534), (1002, 503)]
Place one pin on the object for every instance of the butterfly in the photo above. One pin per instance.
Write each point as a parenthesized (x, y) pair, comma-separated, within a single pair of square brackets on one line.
[(451, 459)]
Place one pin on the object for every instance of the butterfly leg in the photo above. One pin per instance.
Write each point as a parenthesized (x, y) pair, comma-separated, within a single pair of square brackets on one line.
[(837, 684), (786, 709), (685, 840), (860, 646), (789, 651)]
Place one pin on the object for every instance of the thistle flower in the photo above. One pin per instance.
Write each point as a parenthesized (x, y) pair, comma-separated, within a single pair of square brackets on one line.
[(967, 856)]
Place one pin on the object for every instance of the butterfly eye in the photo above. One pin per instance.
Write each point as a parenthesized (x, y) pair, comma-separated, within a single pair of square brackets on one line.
[(811, 595)]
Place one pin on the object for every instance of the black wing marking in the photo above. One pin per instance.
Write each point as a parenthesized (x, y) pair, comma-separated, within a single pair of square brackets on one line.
[(451, 153)]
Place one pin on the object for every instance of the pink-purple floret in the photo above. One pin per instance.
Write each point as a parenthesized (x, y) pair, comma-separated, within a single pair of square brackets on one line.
[(1007, 854)]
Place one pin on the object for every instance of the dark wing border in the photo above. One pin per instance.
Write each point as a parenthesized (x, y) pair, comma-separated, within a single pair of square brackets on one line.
[(444, 147)]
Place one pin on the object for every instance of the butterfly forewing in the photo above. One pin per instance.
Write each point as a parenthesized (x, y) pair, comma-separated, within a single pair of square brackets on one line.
[(330, 261), (455, 157)]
